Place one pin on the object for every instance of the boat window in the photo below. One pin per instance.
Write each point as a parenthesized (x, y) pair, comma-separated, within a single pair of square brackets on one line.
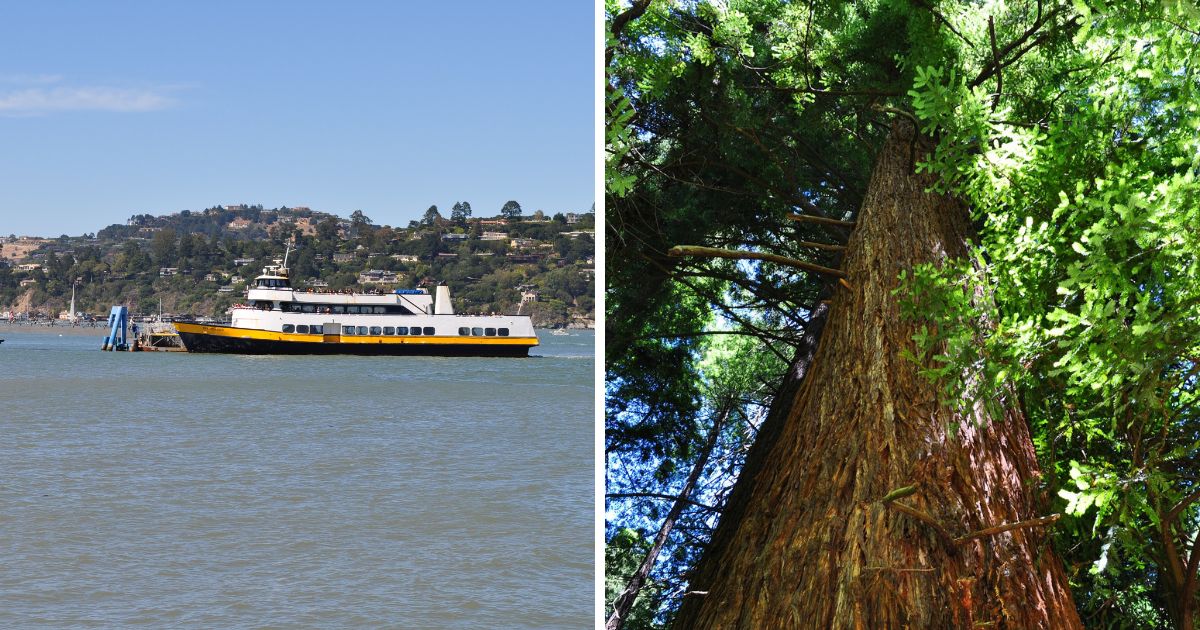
[(397, 310), (362, 330), (352, 309), (379, 310), (308, 308), (347, 330), (287, 328), (490, 332), (389, 330), (478, 332), (429, 330), (338, 309), (376, 330), (402, 330), (464, 331), (302, 329), (503, 332), (316, 329), (415, 330)]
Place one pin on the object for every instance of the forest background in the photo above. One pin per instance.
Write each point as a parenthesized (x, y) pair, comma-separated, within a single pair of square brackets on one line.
[(197, 263)]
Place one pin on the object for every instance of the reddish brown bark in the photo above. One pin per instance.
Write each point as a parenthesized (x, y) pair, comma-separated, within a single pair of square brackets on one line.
[(806, 541)]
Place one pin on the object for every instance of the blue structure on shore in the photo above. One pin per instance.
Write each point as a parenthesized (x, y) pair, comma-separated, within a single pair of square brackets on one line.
[(118, 320)]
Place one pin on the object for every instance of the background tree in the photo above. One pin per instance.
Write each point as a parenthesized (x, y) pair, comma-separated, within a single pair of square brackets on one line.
[(327, 230), (511, 210), (360, 224), (432, 216), (162, 247), (460, 213)]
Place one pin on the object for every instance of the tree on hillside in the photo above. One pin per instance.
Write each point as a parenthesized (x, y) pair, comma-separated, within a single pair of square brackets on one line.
[(360, 224), (432, 216), (460, 213), (327, 230), (162, 247), (511, 211), (187, 247), (964, 232)]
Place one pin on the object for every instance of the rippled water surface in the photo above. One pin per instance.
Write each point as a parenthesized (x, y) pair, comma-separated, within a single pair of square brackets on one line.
[(177, 490)]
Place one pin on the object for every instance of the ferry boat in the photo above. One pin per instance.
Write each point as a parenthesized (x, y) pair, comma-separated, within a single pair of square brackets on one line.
[(279, 319)]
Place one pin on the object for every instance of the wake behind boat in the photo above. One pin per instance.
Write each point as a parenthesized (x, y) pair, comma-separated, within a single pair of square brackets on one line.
[(278, 319)]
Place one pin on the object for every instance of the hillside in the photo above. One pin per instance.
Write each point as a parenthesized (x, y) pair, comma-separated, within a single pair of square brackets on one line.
[(197, 263)]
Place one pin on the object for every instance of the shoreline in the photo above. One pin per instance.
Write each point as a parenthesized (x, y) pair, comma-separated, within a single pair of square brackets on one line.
[(62, 329)]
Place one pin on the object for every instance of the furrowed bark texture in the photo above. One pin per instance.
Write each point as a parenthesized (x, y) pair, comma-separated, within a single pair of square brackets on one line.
[(807, 543)]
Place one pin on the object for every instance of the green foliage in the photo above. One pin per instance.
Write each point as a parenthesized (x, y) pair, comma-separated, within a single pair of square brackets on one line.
[(617, 132), (1083, 178), (1078, 158)]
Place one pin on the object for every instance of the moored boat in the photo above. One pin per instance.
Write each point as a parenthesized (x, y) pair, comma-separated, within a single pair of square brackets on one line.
[(278, 319)]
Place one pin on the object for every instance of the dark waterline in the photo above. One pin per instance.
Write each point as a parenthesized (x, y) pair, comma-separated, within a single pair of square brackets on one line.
[(160, 489)]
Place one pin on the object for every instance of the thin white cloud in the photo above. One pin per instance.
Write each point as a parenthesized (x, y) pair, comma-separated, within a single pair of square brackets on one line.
[(31, 79), (36, 101)]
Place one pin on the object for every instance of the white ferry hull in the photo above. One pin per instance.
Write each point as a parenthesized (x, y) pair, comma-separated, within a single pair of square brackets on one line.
[(237, 340)]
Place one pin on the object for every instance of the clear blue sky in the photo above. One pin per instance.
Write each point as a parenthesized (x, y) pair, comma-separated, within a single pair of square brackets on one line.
[(119, 108)]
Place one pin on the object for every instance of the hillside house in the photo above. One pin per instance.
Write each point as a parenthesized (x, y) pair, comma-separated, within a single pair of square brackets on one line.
[(378, 276)]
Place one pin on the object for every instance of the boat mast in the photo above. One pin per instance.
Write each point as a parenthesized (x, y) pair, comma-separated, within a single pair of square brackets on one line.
[(72, 317)]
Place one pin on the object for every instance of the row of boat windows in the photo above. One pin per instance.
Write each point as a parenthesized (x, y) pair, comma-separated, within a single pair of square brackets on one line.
[(341, 309), (483, 332), (318, 329)]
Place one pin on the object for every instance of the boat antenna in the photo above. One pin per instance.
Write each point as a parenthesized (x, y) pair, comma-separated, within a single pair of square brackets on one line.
[(285, 256)]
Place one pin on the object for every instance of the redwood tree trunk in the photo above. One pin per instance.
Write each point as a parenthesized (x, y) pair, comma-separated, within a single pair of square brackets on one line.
[(806, 541)]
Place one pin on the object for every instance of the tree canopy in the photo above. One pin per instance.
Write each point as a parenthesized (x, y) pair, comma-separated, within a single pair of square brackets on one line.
[(1071, 132)]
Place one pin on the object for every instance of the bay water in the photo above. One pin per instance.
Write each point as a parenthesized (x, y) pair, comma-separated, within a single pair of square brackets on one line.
[(188, 490)]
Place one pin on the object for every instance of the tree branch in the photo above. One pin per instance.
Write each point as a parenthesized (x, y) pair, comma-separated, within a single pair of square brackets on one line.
[(808, 218), (655, 495), (990, 69), (618, 24), (944, 535), (712, 252), (625, 600), (1000, 529), (824, 246), (996, 61)]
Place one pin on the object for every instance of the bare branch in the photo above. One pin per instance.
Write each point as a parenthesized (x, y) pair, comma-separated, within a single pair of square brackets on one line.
[(996, 61), (712, 252), (1000, 529), (808, 218)]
